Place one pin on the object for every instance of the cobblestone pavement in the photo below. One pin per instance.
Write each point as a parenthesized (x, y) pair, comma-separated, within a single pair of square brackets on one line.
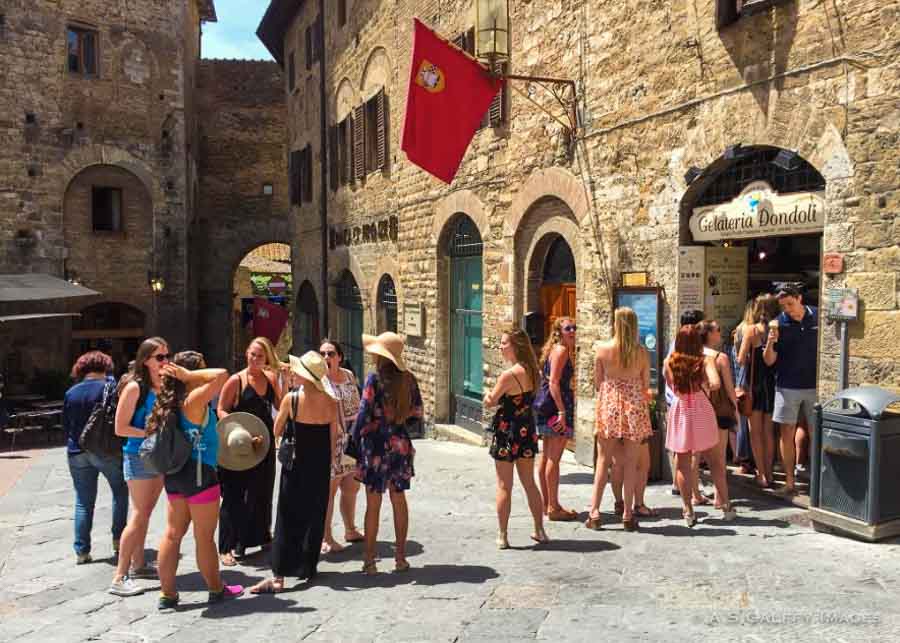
[(765, 577)]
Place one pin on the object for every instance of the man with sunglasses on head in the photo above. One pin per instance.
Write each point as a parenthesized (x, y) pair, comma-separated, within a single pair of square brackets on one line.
[(792, 348)]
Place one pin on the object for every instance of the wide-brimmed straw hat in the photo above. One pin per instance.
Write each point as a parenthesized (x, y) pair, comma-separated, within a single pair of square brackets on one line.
[(314, 370), (236, 449), (389, 345)]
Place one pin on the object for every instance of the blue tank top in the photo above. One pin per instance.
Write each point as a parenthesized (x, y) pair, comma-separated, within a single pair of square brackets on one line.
[(203, 437), (139, 421)]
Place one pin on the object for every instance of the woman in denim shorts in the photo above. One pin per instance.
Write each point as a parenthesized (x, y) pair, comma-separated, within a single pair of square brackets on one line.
[(137, 396)]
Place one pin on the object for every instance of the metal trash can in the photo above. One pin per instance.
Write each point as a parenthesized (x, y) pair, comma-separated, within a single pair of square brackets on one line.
[(855, 458)]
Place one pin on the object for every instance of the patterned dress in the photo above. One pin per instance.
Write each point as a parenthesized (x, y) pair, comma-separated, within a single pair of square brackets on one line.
[(622, 411), (348, 396), (514, 432), (385, 451)]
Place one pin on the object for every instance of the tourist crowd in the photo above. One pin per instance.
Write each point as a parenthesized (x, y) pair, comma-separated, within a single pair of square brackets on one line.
[(211, 439)]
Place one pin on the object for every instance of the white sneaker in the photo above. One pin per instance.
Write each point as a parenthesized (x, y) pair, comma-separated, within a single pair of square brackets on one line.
[(801, 471), (125, 587), (83, 559)]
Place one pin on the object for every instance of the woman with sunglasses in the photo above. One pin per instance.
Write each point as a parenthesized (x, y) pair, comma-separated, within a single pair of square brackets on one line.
[(246, 516), (137, 396), (347, 390), (555, 413)]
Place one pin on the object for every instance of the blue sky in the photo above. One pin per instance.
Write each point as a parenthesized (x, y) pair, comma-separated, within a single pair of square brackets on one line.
[(234, 35)]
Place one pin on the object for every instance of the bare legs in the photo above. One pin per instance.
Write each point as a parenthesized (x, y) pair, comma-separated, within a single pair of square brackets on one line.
[(401, 524), (716, 459), (548, 472), (329, 544), (349, 491), (144, 494), (605, 457), (762, 443), (205, 518), (684, 478), (628, 450), (624, 455), (788, 454), (525, 469)]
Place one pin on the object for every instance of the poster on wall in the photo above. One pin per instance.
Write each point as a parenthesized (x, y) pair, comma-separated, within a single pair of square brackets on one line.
[(726, 286), (691, 274), (645, 302)]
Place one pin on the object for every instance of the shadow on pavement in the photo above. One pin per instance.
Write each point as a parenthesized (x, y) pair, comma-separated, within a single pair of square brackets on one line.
[(579, 546), (682, 530), (577, 478), (427, 575)]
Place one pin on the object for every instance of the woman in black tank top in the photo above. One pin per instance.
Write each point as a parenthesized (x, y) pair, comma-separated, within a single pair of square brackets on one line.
[(514, 443)]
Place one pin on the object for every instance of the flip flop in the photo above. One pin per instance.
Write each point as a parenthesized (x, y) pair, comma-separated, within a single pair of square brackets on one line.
[(354, 536), (645, 512), (268, 586), (703, 501), (227, 560), (619, 507), (331, 549)]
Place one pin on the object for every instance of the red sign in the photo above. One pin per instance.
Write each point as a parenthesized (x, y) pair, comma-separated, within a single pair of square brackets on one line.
[(276, 286), (833, 263)]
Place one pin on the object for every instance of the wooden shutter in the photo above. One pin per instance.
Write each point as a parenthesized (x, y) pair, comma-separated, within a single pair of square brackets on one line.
[(307, 174), (346, 151), (294, 177), (292, 71), (359, 142), (318, 39), (333, 165), (309, 44), (381, 131), (496, 115), (726, 13)]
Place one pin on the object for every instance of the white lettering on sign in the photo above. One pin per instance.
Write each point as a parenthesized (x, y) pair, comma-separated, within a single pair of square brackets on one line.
[(759, 211)]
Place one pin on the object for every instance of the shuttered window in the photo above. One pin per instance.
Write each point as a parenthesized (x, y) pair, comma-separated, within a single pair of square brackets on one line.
[(294, 177), (334, 166), (359, 142), (309, 47), (306, 175), (292, 72), (345, 150), (341, 12)]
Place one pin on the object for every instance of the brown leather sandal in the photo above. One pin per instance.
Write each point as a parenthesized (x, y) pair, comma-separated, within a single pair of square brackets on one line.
[(593, 522)]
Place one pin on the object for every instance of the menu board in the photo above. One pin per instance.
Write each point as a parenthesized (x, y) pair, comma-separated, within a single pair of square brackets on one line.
[(726, 286), (691, 272), (645, 302)]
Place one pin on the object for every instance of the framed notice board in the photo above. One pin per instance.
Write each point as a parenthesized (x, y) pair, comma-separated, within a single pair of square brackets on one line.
[(646, 302)]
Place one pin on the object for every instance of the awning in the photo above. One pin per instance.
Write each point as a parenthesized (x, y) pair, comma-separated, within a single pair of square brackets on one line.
[(38, 287), (13, 318)]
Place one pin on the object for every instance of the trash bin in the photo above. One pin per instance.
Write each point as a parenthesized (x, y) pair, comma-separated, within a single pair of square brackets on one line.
[(855, 477)]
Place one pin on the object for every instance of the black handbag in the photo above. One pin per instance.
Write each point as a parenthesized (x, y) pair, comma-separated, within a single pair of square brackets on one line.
[(166, 451), (287, 452), (99, 434)]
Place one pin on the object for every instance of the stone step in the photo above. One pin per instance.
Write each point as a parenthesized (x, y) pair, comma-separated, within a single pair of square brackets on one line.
[(455, 433)]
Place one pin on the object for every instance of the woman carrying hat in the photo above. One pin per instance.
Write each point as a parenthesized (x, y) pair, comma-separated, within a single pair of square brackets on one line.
[(390, 403), (308, 422)]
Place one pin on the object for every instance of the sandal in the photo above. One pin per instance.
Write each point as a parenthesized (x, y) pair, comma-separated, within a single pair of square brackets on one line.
[(630, 524), (227, 560), (561, 515), (353, 536), (268, 586), (593, 522), (540, 537), (702, 501), (690, 519), (645, 512), (369, 568), (401, 566), (502, 540), (619, 507), (331, 548)]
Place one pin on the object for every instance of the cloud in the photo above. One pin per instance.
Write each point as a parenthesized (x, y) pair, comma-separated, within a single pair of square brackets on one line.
[(234, 35)]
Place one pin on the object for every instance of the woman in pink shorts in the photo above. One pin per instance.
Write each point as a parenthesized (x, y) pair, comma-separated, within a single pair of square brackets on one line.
[(187, 390), (692, 426)]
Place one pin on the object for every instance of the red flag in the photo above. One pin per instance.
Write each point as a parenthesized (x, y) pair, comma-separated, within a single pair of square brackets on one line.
[(268, 319), (448, 96)]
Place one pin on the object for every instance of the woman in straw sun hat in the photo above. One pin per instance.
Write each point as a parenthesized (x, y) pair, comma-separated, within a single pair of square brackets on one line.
[(390, 403), (308, 421)]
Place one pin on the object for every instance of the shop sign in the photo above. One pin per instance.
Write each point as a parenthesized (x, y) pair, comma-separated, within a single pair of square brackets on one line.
[(277, 286), (842, 304), (412, 319), (833, 263), (383, 230), (759, 211), (691, 275), (726, 286)]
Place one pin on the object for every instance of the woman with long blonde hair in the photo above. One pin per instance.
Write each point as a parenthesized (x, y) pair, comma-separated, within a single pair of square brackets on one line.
[(246, 516), (621, 380), (555, 412), (514, 442)]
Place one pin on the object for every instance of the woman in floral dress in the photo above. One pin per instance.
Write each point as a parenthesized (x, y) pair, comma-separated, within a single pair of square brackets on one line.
[(621, 379), (514, 443), (390, 404)]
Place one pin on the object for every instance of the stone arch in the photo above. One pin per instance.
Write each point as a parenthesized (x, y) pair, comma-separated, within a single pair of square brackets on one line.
[(345, 99), (386, 266), (82, 158), (376, 74), (342, 260), (556, 182), (463, 201)]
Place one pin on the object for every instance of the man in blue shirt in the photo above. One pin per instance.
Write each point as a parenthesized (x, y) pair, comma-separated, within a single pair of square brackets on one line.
[(792, 347)]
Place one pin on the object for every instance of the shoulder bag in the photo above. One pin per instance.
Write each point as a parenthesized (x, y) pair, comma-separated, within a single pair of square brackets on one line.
[(543, 403), (99, 433), (287, 451), (167, 450), (745, 397), (721, 403)]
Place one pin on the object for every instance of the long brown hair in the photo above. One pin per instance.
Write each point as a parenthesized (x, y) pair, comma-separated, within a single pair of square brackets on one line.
[(554, 339), (765, 309), (625, 337), (172, 392), (397, 387), (746, 320), (140, 373), (522, 349), (686, 362)]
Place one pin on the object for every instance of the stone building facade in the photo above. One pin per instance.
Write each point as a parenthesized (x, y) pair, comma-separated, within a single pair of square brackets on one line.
[(98, 172), (659, 93)]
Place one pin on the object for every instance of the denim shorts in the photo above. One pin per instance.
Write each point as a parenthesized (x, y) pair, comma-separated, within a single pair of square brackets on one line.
[(790, 402), (133, 468)]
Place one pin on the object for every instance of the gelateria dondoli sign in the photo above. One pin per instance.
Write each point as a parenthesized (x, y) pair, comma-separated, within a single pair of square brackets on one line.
[(759, 211)]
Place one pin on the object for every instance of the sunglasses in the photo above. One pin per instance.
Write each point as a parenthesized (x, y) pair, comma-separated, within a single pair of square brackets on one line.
[(570, 329), (163, 357), (327, 353)]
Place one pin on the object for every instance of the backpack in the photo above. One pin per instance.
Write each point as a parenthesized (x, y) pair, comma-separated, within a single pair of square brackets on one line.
[(166, 451), (99, 433)]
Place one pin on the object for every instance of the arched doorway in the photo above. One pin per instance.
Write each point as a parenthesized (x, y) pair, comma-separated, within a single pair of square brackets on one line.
[(350, 321), (307, 319), (262, 303), (557, 282), (464, 249), (114, 328), (387, 305)]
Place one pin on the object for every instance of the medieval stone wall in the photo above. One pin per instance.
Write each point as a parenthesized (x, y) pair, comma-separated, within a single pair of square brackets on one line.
[(660, 90)]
